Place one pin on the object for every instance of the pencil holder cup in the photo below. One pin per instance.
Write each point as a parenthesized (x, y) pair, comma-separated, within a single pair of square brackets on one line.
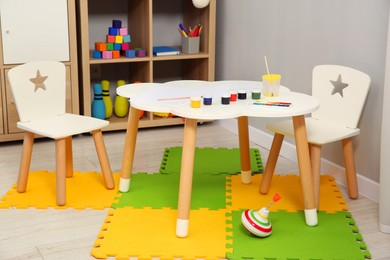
[(190, 45)]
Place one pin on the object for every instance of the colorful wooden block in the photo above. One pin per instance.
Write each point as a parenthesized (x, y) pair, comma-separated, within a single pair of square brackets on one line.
[(107, 55), (116, 54), (116, 23), (97, 54), (123, 31), (117, 46), (110, 38), (125, 46), (113, 31), (130, 53), (140, 53), (126, 38), (109, 46), (100, 46), (118, 39)]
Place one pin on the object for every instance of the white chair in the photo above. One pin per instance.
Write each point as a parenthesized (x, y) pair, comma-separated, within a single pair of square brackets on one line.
[(342, 92), (39, 93)]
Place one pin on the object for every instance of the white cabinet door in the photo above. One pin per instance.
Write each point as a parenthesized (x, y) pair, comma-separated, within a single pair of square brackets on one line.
[(34, 30)]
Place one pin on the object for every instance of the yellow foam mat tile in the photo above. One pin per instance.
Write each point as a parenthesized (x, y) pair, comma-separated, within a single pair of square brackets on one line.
[(83, 190), (150, 233), (247, 196)]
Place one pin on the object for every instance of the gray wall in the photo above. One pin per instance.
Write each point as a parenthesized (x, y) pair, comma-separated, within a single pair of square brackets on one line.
[(296, 35)]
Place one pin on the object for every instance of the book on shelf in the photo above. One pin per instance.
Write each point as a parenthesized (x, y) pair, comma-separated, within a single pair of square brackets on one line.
[(165, 50)]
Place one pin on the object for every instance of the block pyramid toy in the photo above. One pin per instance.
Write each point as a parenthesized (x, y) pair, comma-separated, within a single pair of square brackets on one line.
[(117, 44)]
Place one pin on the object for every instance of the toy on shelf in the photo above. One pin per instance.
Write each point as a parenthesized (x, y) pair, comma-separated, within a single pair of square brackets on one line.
[(162, 114), (117, 44), (256, 221), (98, 107), (121, 104), (107, 98)]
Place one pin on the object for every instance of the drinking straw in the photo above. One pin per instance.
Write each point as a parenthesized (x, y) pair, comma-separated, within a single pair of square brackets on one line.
[(266, 65)]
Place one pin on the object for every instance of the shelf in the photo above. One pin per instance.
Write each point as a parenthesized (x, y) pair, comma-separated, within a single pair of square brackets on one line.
[(149, 23), (63, 47)]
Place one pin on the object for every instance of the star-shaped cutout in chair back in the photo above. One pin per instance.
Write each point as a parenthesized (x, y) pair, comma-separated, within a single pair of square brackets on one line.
[(338, 86), (39, 81)]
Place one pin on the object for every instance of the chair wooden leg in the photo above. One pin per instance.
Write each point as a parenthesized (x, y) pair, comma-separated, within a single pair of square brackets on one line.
[(315, 159), (69, 157), (350, 170), (61, 171), (243, 138), (25, 162), (103, 159), (271, 163)]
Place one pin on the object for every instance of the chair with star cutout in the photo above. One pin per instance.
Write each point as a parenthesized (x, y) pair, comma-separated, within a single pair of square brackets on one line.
[(342, 92), (39, 92)]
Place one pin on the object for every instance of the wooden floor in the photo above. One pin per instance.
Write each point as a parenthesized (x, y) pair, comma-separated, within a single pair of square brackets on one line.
[(69, 234)]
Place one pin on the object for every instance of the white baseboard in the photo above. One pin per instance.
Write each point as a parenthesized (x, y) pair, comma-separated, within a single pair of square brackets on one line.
[(367, 187)]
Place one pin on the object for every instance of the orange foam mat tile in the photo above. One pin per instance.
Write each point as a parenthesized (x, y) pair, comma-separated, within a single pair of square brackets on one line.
[(150, 233), (247, 196), (83, 190)]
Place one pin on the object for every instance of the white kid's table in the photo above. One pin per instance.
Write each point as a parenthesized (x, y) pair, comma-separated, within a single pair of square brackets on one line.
[(168, 98)]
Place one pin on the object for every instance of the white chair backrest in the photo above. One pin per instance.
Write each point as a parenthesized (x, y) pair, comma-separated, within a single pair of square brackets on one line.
[(38, 89), (342, 92)]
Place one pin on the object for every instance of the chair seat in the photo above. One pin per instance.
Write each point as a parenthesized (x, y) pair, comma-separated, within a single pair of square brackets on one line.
[(318, 132), (64, 125)]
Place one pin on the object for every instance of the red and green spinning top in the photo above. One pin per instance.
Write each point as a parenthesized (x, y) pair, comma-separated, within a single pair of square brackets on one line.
[(256, 221)]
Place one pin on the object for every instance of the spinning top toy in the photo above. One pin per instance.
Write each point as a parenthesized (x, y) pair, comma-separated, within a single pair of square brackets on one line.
[(256, 221)]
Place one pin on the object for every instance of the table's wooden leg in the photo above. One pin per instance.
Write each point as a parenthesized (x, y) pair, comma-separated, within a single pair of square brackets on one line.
[(243, 138), (305, 170), (128, 154), (186, 172)]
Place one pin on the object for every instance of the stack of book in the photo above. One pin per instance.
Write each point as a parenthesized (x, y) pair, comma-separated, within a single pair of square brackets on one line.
[(165, 51)]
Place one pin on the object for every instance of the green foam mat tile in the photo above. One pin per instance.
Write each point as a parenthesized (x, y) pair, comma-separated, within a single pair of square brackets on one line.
[(336, 237), (210, 160), (161, 191)]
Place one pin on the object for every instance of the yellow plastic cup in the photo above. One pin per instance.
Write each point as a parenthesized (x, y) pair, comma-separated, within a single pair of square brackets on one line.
[(271, 85)]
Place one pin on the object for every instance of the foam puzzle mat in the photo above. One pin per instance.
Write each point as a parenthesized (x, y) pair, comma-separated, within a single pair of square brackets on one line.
[(161, 190), (289, 187), (83, 190), (336, 237), (141, 223), (211, 160), (148, 232)]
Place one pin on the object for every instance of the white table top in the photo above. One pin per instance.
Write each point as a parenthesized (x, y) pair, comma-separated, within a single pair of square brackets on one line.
[(145, 96)]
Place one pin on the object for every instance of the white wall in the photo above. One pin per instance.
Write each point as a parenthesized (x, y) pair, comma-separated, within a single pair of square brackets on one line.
[(295, 36), (384, 210)]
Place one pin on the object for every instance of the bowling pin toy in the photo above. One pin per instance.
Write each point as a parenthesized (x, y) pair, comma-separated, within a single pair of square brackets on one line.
[(98, 107), (121, 104), (107, 98), (256, 221)]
